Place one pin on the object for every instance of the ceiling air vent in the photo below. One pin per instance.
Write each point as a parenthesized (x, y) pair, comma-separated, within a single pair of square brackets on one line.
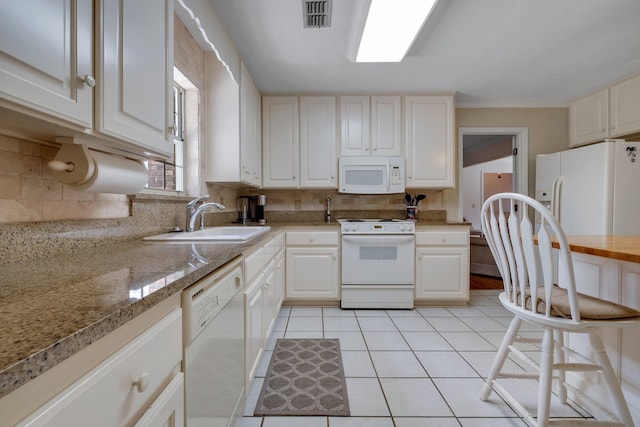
[(316, 13)]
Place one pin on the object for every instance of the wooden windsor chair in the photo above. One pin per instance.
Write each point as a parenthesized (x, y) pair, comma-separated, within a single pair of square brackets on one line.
[(528, 269)]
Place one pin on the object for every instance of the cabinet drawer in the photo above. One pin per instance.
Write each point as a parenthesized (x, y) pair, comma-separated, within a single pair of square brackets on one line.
[(269, 250), (108, 395), (279, 240), (314, 238), (442, 238), (253, 264)]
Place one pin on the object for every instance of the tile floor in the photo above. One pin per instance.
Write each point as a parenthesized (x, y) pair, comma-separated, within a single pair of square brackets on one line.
[(409, 368)]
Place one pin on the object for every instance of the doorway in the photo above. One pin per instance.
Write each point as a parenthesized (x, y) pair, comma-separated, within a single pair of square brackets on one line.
[(489, 150), (491, 160)]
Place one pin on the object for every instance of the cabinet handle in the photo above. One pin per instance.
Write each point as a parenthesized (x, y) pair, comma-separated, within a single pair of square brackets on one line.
[(142, 383), (89, 80), (238, 282)]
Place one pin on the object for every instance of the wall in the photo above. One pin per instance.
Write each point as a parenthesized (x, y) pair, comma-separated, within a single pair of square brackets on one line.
[(315, 200), (548, 132)]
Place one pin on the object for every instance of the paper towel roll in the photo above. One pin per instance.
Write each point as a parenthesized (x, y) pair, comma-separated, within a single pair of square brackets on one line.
[(115, 174), (91, 170)]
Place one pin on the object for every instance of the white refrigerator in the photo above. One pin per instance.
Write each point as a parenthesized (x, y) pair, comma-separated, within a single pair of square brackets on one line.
[(594, 189)]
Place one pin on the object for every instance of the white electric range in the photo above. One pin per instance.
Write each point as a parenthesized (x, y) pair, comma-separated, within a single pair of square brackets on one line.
[(378, 260)]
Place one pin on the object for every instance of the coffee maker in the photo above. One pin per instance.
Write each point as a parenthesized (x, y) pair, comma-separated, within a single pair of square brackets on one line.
[(261, 202), (251, 209)]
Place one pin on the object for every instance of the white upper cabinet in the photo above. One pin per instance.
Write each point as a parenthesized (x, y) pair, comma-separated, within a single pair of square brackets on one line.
[(624, 98), (47, 69), (386, 122), (589, 119), (429, 147), (135, 70), (370, 125), (611, 112), (250, 130), (318, 160), (45, 57), (355, 113), (280, 142), (299, 142), (233, 126)]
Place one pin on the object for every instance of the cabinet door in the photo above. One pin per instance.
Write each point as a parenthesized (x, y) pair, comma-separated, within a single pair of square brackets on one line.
[(280, 280), (250, 131), (630, 337), (442, 273), (254, 324), (270, 302), (107, 395), (386, 135), (355, 125), (318, 160), (625, 107), (589, 118), (168, 409), (280, 138), (312, 272), (46, 53), (135, 72), (429, 147), (594, 276)]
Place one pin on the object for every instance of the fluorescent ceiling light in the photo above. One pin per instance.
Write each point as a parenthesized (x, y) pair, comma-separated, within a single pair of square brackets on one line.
[(390, 29)]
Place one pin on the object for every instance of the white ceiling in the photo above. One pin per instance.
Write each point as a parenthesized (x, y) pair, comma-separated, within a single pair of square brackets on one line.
[(496, 53)]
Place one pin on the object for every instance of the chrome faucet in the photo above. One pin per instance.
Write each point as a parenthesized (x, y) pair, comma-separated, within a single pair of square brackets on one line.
[(191, 206), (200, 210)]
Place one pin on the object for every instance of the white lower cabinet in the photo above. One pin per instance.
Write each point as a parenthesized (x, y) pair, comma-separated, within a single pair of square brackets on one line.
[(168, 409), (280, 271), (254, 326), (442, 264), (262, 301), (619, 282), (312, 264), (141, 383)]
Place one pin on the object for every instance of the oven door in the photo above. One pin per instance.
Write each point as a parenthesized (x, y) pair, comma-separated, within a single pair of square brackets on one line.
[(378, 259)]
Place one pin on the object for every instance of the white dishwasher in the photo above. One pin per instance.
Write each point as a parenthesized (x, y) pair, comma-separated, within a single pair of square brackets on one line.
[(214, 348)]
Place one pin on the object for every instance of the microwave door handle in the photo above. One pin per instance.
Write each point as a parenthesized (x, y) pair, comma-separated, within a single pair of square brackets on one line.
[(388, 176)]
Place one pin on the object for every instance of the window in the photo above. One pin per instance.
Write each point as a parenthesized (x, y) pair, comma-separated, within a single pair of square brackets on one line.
[(169, 174)]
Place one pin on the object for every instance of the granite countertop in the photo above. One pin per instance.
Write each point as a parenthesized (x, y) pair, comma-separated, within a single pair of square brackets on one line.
[(53, 307)]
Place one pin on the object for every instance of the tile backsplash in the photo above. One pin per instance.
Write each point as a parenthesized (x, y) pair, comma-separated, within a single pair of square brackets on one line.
[(30, 192)]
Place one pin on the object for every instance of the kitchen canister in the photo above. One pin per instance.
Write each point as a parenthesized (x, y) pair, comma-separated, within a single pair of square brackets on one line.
[(412, 213)]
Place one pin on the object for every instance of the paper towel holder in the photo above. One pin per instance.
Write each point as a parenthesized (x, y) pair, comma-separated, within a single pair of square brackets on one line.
[(87, 169), (73, 164)]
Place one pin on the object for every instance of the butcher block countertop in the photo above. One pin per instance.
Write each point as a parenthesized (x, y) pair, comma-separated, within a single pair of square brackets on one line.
[(623, 248)]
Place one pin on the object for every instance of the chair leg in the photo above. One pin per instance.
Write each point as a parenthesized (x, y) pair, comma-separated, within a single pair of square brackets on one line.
[(546, 378), (500, 358), (559, 357), (601, 358)]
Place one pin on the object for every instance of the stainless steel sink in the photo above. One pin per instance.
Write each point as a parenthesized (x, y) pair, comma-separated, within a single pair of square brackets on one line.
[(229, 234)]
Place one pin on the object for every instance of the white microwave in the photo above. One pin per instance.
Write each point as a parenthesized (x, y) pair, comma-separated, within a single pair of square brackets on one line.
[(371, 174)]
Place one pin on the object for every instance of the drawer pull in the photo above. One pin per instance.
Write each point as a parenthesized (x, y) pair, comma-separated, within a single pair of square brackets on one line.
[(142, 383)]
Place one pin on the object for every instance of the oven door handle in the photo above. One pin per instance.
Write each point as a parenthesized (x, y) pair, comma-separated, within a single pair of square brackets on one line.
[(372, 239)]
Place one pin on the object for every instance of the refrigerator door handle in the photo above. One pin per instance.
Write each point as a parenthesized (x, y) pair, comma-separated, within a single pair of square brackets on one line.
[(557, 192), (552, 205)]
